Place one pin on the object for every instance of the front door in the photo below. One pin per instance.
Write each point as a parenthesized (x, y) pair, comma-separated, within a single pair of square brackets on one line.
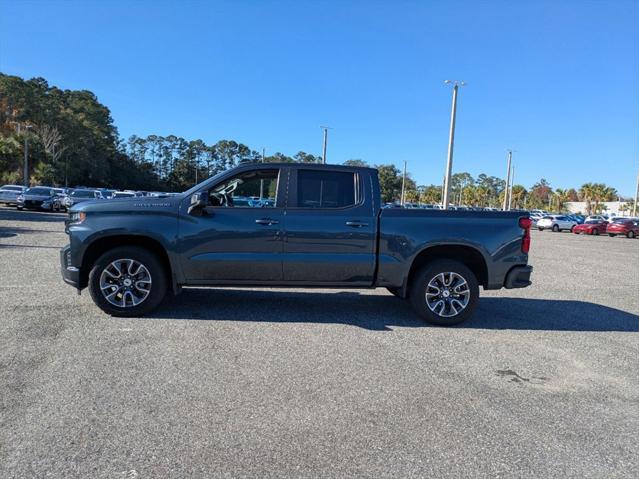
[(330, 229), (238, 237)]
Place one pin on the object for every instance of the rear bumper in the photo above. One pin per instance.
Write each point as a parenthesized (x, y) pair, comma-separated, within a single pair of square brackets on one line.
[(518, 277), (70, 274)]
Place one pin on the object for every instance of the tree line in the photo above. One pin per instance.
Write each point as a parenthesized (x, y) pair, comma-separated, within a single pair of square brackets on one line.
[(72, 140)]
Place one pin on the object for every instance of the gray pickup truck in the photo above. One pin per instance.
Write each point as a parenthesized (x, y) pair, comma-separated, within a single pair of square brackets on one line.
[(292, 225)]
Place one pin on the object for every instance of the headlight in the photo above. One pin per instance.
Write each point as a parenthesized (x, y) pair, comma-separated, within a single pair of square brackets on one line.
[(77, 218)]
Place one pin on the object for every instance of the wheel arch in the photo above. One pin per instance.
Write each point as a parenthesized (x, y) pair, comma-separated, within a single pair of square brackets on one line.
[(469, 256), (101, 245)]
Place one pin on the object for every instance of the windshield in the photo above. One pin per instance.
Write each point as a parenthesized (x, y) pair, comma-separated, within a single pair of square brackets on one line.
[(11, 188), (123, 195), (621, 220), (39, 191), (592, 222), (83, 194)]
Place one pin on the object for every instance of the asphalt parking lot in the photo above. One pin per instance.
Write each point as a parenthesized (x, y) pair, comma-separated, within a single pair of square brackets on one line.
[(542, 381)]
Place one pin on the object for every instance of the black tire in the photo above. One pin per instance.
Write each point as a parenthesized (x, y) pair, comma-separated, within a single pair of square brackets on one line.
[(630, 234), (395, 292), (419, 288), (153, 265), (572, 228), (540, 229), (612, 235), (19, 208), (555, 229), (595, 232)]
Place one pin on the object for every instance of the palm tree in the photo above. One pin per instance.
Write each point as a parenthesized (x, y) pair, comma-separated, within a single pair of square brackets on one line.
[(561, 197), (587, 193)]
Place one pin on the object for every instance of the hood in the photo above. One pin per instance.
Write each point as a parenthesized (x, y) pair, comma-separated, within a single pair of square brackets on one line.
[(116, 205)]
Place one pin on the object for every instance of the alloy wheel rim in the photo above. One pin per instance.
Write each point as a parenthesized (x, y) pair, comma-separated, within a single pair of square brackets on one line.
[(447, 294), (125, 283)]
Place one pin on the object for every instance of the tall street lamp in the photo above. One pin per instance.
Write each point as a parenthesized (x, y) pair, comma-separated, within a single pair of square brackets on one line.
[(451, 141), (26, 156), (505, 206), (325, 128)]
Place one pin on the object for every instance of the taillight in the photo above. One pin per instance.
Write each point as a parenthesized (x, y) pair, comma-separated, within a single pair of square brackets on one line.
[(525, 224)]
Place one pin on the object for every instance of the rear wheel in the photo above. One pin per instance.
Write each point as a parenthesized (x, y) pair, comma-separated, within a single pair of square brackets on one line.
[(127, 282), (540, 229), (444, 293), (612, 235), (555, 229), (631, 234)]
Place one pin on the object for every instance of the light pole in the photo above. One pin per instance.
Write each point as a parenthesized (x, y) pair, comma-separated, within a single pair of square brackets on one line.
[(451, 141), (26, 156), (634, 207), (403, 197), (512, 181), (510, 159), (326, 128)]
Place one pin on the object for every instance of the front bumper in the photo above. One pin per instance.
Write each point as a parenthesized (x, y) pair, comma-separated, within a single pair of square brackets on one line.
[(518, 277), (70, 273)]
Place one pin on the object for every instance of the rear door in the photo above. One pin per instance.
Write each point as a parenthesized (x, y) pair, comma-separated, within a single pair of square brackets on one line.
[(330, 227), (238, 238)]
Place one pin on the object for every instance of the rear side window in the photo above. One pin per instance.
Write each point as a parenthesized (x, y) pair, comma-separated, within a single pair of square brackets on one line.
[(325, 189)]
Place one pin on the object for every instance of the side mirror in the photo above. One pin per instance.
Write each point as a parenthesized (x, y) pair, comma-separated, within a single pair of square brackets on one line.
[(199, 201)]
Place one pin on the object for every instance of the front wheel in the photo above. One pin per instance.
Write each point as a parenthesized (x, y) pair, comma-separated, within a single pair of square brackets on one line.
[(127, 282), (444, 293), (555, 229), (612, 235), (631, 234)]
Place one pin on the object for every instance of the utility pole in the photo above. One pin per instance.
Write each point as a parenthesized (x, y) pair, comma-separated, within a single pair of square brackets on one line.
[(26, 156), (634, 207), (262, 179), (451, 142), (325, 142), (510, 159), (403, 197), (512, 181)]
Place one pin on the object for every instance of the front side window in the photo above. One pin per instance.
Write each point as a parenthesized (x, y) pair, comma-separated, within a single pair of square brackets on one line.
[(325, 189), (253, 189)]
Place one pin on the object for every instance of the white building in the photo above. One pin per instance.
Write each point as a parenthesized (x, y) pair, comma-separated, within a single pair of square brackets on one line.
[(612, 207)]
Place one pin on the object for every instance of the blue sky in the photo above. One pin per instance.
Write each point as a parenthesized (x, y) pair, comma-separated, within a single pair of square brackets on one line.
[(557, 81)]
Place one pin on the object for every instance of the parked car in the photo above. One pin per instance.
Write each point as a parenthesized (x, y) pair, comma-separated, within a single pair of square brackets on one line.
[(556, 223), (123, 194), (591, 227), (623, 226), (577, 218), (535, 217), (80, 195), (324, 227), (39, 198), (9, 194)]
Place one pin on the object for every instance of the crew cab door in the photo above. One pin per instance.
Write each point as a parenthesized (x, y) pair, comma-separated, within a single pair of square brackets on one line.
[(237, 237), (330, 227)]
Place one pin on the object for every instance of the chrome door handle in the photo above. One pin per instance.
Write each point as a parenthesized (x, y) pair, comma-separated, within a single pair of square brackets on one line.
[(267, 221), (356, 224)]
